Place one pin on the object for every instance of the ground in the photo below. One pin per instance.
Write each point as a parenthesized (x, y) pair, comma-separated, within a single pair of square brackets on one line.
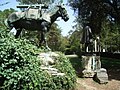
[(113, 70), (89, 84)]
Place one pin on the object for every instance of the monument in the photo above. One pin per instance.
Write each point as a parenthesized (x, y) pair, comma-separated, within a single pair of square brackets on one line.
[(91, 57), (35, 17)]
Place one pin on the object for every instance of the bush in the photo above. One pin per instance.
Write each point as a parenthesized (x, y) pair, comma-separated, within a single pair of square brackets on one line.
[(20, 68), (64, 65)]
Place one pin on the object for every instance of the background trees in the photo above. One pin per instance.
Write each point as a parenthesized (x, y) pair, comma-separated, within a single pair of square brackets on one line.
[(55, 39), (103, 16), (74, 45)]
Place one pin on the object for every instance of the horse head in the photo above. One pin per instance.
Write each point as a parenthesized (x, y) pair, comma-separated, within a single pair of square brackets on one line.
[(63, 12)]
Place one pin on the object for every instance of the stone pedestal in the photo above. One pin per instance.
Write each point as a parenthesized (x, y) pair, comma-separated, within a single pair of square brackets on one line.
[(101, 76), (90, 63), (48, 60)]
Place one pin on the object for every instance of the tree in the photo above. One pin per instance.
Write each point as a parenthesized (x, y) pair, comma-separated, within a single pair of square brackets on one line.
[(64, 43), (110, 36), (55, 38), (74, 46), (94, 12), (3, 15)]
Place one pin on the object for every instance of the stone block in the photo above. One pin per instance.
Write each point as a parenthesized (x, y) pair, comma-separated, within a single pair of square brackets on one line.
[(48, 58), (101, 76), (87, 73), (90, 63)]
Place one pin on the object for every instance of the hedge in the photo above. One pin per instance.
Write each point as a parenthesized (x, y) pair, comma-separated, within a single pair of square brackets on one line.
[(20, 67)]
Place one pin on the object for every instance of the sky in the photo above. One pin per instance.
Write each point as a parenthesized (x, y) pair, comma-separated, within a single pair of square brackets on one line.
[(65, 26)]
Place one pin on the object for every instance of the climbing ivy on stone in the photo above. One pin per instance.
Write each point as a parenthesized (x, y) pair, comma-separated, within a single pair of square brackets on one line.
[(20, 67)]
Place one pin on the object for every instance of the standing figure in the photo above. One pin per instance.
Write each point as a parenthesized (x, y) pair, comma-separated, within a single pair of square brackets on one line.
[(87, 39)]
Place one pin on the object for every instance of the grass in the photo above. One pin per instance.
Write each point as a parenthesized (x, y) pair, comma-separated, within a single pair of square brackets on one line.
[(76, 63), (113, 67), (110, 63)]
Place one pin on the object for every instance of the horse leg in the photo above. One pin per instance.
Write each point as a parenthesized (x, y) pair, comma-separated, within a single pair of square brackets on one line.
[(46, 44), (44, 38), (13, 31), (86, 47), (41, 38), (18, 33)]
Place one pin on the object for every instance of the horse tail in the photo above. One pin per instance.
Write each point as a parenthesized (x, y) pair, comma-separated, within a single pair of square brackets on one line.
[(7, 24)]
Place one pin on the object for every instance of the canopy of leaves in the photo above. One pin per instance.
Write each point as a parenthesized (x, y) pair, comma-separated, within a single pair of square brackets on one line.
[(73, 46), (93, 12), (55, 39), (110, 36), (103, 17)]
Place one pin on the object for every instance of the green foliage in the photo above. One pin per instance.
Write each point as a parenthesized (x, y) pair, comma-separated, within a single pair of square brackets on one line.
[(20, 67), (64, 44), (103, 17), (110, 36), (110, 63), (18, 62), (54, 37), (74, 42), (76, 63), (3, 15), (94, 12), (70, 76)]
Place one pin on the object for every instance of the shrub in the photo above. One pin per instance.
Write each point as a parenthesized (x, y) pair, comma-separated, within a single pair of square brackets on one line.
[(20, 67), (64, 65)]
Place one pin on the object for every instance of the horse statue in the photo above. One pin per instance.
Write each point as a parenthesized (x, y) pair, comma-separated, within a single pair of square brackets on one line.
[(34, 19)]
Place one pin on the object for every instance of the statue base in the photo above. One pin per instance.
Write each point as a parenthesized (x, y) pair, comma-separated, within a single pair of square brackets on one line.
[(101, 76), (48, 60), (90, 64)]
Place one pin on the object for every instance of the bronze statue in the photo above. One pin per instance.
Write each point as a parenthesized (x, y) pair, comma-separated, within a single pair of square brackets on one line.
[(87, 38), (34, 19)]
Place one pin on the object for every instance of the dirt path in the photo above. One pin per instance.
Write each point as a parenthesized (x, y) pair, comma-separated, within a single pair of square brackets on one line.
[(113, 69), (89, 84)]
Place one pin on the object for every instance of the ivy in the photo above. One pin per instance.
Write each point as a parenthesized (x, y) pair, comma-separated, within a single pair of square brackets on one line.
[(64, 65), (20, 67)]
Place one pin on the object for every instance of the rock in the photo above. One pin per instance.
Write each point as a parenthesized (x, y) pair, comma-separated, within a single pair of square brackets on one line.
[(101, 76), (48, 58), (87, 73), (52, 71), (58, 74), (90, 64)]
